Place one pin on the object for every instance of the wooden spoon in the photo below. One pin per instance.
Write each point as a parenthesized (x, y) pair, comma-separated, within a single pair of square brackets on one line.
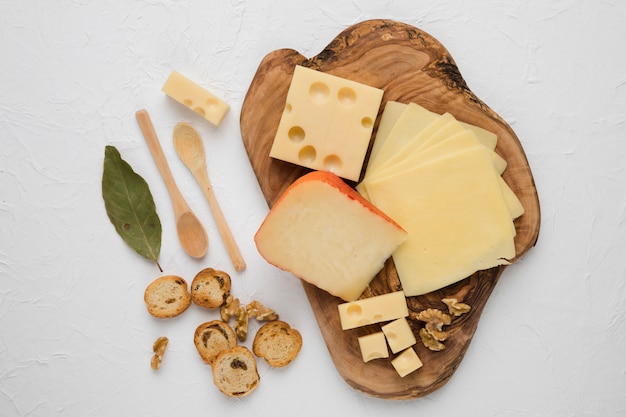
[(190, 148), (191, 234)]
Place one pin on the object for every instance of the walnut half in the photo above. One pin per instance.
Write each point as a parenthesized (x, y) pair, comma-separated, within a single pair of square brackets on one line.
[(433, 334), (455, 307), (430, 342), (158, 347)]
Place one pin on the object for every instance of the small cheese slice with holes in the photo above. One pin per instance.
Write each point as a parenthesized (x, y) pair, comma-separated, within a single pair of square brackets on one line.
[(372, 310), (327, 123), (196, 98)]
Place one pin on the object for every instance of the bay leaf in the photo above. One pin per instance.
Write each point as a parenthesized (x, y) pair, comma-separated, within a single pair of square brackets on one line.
[(130, 206)]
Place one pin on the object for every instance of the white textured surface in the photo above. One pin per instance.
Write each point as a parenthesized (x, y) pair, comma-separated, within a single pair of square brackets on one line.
[(75, 338)]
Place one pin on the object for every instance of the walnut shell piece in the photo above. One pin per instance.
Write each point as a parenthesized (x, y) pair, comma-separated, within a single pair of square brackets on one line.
[(455, 307)]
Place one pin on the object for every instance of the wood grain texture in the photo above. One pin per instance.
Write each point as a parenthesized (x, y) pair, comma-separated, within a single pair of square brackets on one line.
[(410, 66)]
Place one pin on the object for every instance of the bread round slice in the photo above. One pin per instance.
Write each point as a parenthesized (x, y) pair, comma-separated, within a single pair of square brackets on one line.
[(277, 343), (167, 296), (210, 287), (235, 373), (212, 338)]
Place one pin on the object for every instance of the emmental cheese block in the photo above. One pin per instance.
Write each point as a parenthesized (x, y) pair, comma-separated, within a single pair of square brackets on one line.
[(322, 231), (196, 98), (327, 123)]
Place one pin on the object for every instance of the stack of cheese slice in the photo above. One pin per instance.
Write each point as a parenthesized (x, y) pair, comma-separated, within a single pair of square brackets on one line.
[(440, 179)]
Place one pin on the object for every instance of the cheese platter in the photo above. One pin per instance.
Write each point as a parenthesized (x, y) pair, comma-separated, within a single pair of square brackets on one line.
[(410, 66)]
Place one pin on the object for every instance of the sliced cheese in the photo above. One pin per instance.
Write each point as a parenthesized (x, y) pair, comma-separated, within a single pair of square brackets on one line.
[(406, 121), (392, 112), (410, 121), (456, 217), (325, 233)]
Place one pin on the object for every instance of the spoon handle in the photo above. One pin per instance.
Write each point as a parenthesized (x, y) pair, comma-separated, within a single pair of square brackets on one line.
[(145, 124), (236, 258)]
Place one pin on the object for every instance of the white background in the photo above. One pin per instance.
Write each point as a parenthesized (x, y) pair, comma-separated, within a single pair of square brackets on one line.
[(75, 337)]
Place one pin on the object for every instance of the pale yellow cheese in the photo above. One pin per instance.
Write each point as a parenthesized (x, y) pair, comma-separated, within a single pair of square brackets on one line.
[(392, 112), (512, 201), (327, 123), (399, 334), (406, 121), (406, 362), (196, 98), (412, 120), (435, 137), (373, 346), (372, 310), (325, 233), (456, 217)]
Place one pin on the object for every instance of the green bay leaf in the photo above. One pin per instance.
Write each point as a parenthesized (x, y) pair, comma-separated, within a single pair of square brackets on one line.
[(130, 206)]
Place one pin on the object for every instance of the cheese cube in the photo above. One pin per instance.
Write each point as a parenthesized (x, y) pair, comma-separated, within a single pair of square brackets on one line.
[(327, 123), (195, 98), (399, 334), (372, 310), (373, 346), (324, 232), (406, 362)]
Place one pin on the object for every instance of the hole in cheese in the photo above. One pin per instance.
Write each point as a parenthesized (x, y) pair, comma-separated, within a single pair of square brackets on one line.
[(212, 105), (187, 102), (346, 96), (296, 134), (332, 163), (354, 310), (367, 122), (319, 92), (307, 154), (288, 108), (200, 111)]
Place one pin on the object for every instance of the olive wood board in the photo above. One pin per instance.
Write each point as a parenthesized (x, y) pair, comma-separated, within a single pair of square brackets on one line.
[(410, 66)]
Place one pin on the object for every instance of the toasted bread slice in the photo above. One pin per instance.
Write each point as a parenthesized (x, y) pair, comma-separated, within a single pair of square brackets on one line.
[(212, 338), (167, 296), (235, 372), (210, 287), (277, 342)]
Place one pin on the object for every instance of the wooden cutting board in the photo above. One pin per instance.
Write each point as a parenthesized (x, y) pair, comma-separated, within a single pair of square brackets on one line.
[(410, 66)]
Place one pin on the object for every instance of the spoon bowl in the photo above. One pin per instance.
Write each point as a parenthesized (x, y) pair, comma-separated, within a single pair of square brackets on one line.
[(190, 149)]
